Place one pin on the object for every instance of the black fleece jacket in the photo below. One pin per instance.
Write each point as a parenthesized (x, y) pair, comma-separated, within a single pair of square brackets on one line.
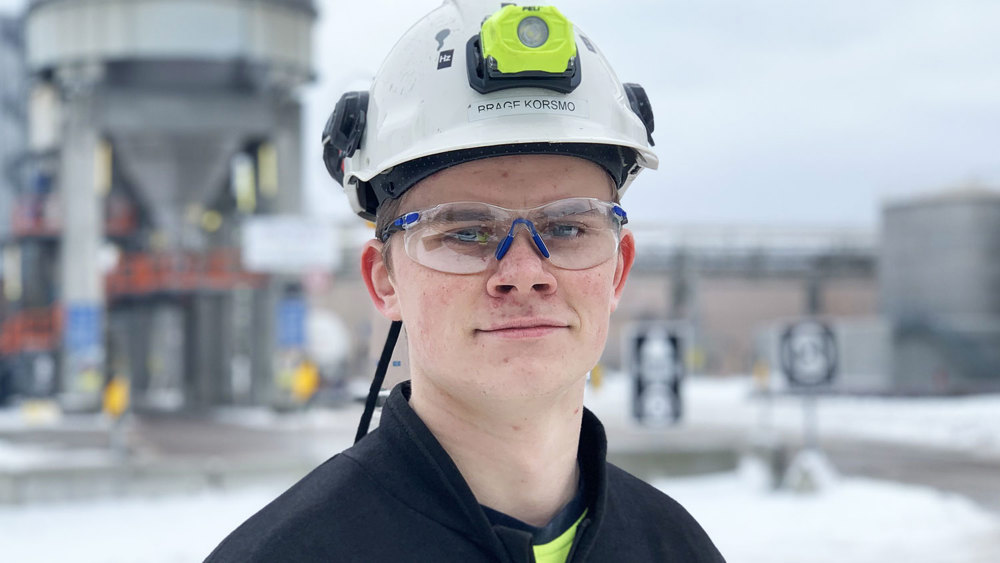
[(398, 496)]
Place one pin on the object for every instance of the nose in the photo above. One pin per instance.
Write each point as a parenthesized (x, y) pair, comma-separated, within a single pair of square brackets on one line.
[(522, 270), (527, 226)]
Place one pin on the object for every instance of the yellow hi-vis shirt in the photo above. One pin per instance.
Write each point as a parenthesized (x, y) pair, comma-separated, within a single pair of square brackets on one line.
[(557, 550)]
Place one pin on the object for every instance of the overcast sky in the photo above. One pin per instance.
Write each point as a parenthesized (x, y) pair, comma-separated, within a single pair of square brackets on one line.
[(767, 111)]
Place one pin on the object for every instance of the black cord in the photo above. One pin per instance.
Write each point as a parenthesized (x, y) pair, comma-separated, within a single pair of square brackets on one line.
[(383, 366)]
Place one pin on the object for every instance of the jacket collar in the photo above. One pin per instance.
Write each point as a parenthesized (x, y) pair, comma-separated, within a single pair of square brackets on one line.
[(410, 464)]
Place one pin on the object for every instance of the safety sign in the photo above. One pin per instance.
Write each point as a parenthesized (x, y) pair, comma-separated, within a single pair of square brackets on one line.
[(808, 353), (655, 359)]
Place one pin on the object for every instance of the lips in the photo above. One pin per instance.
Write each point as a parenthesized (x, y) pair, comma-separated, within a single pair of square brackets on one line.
[(524, 328)]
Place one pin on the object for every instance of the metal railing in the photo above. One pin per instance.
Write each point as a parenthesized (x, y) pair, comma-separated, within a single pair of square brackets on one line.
[(140, 274), (31, 330)]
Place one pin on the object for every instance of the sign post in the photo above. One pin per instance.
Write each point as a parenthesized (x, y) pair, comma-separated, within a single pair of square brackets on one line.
[(809, 361)]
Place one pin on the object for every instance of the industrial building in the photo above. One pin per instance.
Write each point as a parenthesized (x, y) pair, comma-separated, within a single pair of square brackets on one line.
[(156, 130), (935, 325), (725, 282)]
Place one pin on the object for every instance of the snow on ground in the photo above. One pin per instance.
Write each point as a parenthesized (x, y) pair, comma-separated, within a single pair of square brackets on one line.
[(850, 521), (153, 530), (20, 457), (961, 423), (853, 521), (309, 419), (42, 414), (964, 423)]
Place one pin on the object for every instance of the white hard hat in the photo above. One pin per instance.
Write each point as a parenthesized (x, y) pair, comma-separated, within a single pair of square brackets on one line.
[(438, 101)]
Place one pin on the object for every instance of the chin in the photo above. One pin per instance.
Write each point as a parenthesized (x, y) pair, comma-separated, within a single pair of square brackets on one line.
[(524, 380)]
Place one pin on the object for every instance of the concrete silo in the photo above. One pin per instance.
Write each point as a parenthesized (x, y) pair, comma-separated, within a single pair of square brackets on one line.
[(940, 289), (162, 124)]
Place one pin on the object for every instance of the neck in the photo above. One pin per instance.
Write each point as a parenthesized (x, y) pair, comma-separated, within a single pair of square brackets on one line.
[(519, 459)]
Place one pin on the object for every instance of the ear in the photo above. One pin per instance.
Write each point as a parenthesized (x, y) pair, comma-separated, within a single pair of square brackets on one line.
[(378, 281), (626, 256)]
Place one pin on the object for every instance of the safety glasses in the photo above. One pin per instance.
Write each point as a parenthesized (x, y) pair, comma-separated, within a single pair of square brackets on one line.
[(462, 237)]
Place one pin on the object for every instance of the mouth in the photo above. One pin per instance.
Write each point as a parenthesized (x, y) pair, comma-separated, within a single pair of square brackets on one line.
[(523, 328)]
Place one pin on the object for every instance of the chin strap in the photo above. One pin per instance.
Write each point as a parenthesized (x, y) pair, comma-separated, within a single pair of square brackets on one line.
[(383, 366)]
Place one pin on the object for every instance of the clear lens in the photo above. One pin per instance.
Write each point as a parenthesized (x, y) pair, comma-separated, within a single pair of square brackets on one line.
[(579, 234), (462, 238), (533, 31)]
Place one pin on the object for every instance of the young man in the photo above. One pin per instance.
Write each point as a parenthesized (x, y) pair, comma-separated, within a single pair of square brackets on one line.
[(492, 154)]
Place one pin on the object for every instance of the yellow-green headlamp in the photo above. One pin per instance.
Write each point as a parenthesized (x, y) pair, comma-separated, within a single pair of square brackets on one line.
[(528, 38), (524, 46)]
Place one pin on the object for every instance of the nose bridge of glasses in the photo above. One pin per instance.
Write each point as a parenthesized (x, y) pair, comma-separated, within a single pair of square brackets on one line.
[(505, 244)]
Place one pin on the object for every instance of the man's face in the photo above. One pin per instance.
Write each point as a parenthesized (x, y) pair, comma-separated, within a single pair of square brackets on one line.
[(523, 328)]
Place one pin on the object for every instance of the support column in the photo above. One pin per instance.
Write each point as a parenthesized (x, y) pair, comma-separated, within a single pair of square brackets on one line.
[(287, 141), (814, 287), (81, 281), (286, 200)]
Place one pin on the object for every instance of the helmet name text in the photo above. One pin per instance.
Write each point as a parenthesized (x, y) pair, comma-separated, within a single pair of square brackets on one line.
[(527, 105)]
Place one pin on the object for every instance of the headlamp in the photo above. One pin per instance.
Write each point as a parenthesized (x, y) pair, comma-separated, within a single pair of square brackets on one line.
[(524, 46)]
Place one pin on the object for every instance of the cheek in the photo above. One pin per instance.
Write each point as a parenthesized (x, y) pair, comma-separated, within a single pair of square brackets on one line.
[(593, 302), (432, 304), (596, 288), (421, 301), (422, 316)]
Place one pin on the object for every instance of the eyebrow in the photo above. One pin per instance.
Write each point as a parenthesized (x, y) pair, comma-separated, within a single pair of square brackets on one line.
[(570, 212), (467, 215)]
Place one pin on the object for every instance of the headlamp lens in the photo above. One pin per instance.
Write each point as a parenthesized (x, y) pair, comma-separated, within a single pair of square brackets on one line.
[(533, 31)]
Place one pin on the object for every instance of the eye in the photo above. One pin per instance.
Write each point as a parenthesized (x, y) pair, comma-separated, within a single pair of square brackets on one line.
[(478, 234), (565, 230)]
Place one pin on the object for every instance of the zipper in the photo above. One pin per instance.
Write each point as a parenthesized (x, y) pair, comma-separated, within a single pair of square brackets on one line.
[(581, 528)]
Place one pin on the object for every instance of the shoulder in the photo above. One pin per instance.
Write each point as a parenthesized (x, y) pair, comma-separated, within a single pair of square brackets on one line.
[(625, 487), (290, 526), (346, 510), (637, 512), (631, 495)]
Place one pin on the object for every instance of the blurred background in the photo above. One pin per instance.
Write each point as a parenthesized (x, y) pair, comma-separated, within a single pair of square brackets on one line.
[(811, 331)]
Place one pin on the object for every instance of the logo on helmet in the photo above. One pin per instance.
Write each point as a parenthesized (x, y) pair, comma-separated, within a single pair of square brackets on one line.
[(445, 58)]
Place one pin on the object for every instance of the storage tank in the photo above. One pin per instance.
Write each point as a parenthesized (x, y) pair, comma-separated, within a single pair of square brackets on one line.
[(940, 289), (177, 87)]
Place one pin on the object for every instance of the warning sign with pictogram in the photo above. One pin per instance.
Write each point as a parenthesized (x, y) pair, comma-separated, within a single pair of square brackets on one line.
[(809, 353), (655, 352)]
